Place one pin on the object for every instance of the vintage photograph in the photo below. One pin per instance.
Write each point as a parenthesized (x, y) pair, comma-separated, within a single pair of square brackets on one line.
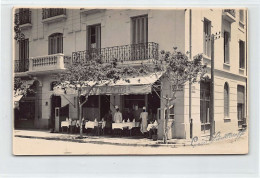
[(130, 81)]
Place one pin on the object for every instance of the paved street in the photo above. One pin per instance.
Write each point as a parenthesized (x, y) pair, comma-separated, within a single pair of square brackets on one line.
[(26, 145)]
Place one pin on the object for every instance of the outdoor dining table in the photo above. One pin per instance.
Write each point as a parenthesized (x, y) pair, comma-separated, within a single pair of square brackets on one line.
[(128, 125), (69, 123), (93, 124), (66, 123), (152, 126)]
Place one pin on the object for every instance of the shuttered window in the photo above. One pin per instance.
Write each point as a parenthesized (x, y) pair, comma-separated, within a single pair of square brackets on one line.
[(94, 37), (241, 54), (226, 47), (240, 102), (140, 29), (226, 100), (24, 49), (207, 32), (56, 43)]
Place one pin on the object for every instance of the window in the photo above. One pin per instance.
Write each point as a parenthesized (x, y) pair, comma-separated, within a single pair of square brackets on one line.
[(226, 100), (207, 33), (241, 54), (241, 16), (94, 37), (204, 105), (226, 47), (240, 102), (24, 49), (140, 29), (56, 43)]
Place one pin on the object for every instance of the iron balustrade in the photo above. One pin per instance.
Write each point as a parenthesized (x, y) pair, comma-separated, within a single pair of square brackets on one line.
[(231, 12), (132, 52), (23, 17), (52, 12), (21, 65)]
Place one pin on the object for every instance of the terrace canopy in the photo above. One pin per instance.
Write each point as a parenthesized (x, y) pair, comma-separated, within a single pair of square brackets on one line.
[(135, 85)]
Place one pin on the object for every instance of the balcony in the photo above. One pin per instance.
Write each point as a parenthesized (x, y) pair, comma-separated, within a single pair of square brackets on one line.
[(24, 18), (50, 63), (127, 53), (53, 15), (229, 15), (21, 65)]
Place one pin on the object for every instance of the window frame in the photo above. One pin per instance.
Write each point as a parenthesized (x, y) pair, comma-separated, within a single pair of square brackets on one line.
[(55, 43), (227, 47), (139, 24), (241, 54), (206, 36)]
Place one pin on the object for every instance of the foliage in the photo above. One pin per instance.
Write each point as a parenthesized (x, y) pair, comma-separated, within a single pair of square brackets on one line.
[(22, 88), (19, 36)]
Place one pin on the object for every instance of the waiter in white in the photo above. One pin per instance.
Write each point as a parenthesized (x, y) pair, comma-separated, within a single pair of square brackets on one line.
[(117, 115), (144, 117)]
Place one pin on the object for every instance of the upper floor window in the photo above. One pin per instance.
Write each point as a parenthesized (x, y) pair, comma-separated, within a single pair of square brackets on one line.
[(56, 43), (23, 16), (52, 12), (140, 29), (94, 37), (24, 49), (226, 47), (226, 100), (241, 16), (241, 54), (207, 34)]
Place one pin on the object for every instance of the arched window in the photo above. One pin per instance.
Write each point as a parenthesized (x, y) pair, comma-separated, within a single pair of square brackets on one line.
[(226, 100), (56, 43)]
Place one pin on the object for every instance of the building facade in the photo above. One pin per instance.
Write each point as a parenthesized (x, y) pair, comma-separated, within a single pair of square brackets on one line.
[(54, 38)]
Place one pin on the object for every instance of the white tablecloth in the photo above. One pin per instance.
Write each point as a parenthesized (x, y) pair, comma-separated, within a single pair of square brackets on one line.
[(65, 123), (150, 126), (91, 124), (121, 125)]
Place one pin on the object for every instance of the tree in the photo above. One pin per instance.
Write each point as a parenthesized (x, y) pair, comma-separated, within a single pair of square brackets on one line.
[(22, 88), (178, 70), (89, 74)]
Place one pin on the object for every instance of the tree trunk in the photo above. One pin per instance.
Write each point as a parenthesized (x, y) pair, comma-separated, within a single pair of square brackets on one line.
[(166, 120), (80, 121)]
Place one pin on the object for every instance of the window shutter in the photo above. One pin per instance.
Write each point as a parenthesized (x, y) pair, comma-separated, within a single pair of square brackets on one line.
[(240, 94)]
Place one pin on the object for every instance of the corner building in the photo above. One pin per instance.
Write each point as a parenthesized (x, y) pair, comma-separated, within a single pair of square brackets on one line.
[(55, 38)]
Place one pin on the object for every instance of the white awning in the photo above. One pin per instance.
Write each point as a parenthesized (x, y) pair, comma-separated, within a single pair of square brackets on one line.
[(134, 85)]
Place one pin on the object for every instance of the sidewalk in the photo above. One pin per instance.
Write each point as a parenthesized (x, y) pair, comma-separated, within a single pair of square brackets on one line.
[(104, 139)]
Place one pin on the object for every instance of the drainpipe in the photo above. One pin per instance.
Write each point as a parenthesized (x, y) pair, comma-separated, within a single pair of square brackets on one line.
[(190, 102)]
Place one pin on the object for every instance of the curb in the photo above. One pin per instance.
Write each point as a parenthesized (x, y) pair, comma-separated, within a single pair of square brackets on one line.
[(173, 145)]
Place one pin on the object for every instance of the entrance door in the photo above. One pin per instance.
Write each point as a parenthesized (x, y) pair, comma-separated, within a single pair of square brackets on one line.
[(55, 102), (104, 105)]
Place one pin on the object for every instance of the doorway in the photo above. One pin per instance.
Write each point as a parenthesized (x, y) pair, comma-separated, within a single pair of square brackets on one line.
[(55, 102), (104, 105)]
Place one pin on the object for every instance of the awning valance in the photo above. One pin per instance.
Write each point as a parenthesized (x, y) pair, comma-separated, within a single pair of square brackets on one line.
[(136, 85)]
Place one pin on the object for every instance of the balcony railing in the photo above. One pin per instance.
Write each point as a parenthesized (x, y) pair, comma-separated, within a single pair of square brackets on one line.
[(132, 52), (51, 12), (231, 12), (21, 65), (23, 17), (48, 63)]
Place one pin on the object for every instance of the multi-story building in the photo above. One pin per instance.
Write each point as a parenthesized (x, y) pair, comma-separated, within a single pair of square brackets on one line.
[(54, 38)]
